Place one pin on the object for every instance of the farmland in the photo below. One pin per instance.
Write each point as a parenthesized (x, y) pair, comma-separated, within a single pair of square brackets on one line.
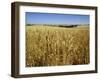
[(56, 46)]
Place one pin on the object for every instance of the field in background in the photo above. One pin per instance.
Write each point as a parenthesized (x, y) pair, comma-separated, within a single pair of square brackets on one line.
[(54, 46)]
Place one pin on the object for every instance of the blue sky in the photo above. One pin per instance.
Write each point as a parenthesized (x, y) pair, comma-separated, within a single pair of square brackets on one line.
[(52, 18)]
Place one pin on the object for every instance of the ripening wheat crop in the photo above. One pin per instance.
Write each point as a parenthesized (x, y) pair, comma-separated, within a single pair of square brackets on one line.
[(54, 46)]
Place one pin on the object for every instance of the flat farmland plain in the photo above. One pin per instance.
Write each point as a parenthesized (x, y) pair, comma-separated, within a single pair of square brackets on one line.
[(56, 46)]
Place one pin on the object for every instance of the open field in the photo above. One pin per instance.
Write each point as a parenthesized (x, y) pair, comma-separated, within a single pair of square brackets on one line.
[(54, 46)]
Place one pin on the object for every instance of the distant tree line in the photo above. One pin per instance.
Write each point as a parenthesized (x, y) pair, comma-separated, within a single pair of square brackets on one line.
[(68, 26), (54, 25)]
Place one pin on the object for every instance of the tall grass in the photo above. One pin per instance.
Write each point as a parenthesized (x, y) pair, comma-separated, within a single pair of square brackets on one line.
[(53, 46)]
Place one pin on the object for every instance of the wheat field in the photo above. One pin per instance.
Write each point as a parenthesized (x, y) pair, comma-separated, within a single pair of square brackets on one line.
[(56, 46)]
